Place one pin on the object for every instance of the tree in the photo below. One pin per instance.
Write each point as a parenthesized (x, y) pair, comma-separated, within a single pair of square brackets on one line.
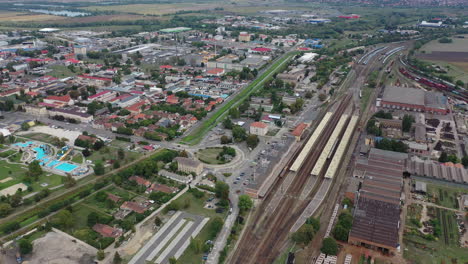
[(234, 113), (25, 126), (5, 209), (117, 259), (340, 233), (121, 154), (100, 254), (93, 218), (465, 161), (407, 122), (69, 181), (99, 168), (225, 140), (322, 97), (245, 203), (34, 169), (216, 226), (222, 190), (157, 221), (309, 94), (227, 123), (314, 222), (443, 157), (25, 246), (64, 219), (329, 246), (238, 133), (252, 141), (304, 234), (172, 260)]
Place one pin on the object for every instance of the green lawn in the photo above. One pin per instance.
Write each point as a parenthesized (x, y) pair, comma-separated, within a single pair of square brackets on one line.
[(61, 71), (209, 155), (444, 195), (52, 181), (197, 134), (110, 153), (11, 170), (77, 158), (7, 153), (80, 215), (39, 137)]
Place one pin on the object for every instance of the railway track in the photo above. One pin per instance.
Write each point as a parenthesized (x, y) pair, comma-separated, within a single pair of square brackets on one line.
[(264, 238)]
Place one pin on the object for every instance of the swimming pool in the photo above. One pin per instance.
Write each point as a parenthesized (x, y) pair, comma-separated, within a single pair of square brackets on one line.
[(53, 163), (40, 153), (66, 167), (25, 144)]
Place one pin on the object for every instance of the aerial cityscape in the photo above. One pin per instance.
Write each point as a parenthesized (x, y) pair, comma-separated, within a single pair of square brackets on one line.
[(244, 132)]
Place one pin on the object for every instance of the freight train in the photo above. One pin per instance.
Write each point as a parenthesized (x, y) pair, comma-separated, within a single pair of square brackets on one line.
[(443, 87)]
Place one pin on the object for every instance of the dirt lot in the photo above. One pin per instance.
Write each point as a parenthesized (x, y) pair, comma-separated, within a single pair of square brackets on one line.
[(56, 248)]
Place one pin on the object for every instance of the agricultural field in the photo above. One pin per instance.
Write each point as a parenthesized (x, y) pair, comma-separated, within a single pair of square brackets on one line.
[(444, 248), (444, 195), (6, 16), (453, 57), (154, 9)]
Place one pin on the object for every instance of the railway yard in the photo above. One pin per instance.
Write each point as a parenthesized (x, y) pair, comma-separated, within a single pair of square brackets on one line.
[(270, 231)]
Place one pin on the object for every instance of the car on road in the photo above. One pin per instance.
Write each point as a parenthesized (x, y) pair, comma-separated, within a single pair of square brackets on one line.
[(238, 178), (235, 182)]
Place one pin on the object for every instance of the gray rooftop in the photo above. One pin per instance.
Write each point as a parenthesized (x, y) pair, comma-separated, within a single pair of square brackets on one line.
[(404, 95), (388, 154)]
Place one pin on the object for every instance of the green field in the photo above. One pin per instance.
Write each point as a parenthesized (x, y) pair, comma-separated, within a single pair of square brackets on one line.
[(197, 135), (110, 153), (445, 249), (209, 155), (444, 195), (61, 71)]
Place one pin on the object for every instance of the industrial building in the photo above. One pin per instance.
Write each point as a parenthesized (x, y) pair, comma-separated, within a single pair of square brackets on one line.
[(412, 99), (377, 214), (437, 171)]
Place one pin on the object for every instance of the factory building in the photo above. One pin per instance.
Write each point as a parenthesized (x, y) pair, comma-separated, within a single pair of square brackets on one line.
[(412, 99)]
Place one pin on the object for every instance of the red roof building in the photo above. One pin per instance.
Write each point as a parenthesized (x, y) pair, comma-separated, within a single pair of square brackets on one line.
[(261, 50), (113, 197), (107, 231), (140, 181), (132, 206), (299, 130), (156, 187), (215, 72)]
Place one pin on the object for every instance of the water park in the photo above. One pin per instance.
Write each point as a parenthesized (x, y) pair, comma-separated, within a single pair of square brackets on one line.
[(52, 159)]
